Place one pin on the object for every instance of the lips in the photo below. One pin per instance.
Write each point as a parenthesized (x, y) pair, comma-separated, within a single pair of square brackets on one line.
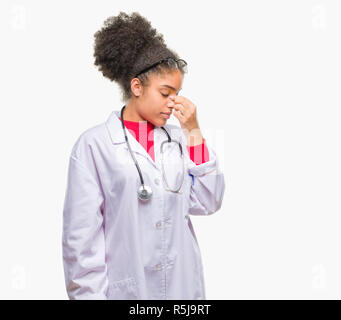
[(165, 115)]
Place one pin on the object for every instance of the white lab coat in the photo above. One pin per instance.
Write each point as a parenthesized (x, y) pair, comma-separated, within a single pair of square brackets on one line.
[(116, 246)]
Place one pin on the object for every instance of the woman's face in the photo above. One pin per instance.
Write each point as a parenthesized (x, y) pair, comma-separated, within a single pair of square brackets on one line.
[(155, 98)]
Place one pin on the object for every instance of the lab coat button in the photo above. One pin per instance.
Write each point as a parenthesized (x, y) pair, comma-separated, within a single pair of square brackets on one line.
[(157, 181), (158, 266), (158, 224)]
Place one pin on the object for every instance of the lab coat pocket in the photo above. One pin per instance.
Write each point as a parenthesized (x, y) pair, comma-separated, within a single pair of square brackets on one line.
[(125, 289)]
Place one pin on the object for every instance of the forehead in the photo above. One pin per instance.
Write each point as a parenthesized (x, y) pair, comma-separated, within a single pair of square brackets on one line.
[(171, 80)]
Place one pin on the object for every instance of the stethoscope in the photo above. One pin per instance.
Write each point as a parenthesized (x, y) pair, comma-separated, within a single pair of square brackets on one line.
[(145, 192)]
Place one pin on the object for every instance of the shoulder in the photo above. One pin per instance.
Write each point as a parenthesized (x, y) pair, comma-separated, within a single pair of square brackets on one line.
[(88, 139)]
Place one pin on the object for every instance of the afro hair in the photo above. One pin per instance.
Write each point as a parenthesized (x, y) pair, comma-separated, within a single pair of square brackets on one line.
[(127, 44)]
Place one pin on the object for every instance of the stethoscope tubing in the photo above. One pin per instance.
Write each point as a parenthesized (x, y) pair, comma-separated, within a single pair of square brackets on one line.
[(146, 189)]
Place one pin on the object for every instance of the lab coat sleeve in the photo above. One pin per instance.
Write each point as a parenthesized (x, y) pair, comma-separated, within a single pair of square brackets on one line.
[(208, 184), (83, 242)]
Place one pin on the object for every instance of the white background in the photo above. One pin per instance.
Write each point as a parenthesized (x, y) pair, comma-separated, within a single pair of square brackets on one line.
[(265, 77)]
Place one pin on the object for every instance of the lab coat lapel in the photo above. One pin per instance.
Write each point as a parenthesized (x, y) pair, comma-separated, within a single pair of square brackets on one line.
[(115, 130)]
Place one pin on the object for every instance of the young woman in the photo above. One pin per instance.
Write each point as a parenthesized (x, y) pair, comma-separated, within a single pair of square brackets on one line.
[(134, 180)]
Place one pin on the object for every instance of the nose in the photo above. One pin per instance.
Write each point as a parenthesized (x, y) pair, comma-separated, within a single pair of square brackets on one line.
[(170, 104)]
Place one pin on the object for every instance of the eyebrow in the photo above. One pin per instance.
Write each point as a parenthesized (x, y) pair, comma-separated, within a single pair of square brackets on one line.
[(170, 87)]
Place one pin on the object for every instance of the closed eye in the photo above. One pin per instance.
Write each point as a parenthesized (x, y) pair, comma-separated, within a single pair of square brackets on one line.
[(165, 95)]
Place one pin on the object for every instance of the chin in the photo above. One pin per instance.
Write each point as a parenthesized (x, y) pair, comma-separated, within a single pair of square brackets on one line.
[(161, 122)]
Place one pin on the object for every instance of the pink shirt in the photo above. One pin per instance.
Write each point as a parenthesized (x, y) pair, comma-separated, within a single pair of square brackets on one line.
[(198, 154)]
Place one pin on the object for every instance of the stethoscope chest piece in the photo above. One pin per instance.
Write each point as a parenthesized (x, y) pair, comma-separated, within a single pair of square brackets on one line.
[(144, 192)]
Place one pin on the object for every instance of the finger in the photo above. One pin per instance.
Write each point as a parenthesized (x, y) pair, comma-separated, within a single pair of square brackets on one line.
[(178, 99), (178, 114), (181, 108)]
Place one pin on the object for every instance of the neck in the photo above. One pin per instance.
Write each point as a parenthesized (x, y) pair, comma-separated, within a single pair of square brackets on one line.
[(131, 114)]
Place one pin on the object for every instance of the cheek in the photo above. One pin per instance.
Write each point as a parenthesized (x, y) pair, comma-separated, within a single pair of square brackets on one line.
[(159, 103)]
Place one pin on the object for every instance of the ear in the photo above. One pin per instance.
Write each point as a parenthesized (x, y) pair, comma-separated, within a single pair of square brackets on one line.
[(136, 87)]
